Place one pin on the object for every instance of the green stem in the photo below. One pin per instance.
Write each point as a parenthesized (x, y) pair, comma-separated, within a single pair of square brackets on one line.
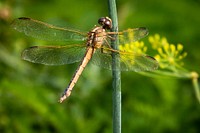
[(115, 72), (195, 84)]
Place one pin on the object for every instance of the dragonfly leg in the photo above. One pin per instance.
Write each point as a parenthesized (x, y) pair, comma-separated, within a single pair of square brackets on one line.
[(107, 43), (102, 50), (110, 37)]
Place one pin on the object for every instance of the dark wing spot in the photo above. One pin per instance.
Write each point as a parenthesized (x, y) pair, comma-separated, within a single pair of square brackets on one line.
[(24, 18), (150, 57)]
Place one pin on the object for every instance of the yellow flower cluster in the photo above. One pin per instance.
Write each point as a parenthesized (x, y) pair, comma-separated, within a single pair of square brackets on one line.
[(130, 47), (134, 47), (169, 55), (128, 43)]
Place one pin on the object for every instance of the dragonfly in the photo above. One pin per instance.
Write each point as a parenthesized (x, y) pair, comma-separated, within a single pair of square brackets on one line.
[(93, 46)]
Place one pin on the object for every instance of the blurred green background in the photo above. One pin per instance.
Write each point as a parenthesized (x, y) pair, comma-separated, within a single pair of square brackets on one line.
[(29, 92)]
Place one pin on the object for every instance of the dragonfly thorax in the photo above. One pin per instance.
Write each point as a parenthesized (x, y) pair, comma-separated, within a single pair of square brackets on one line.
[(96, 37)]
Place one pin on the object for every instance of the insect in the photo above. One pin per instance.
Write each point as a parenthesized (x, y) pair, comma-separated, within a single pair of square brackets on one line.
[(93, 45)]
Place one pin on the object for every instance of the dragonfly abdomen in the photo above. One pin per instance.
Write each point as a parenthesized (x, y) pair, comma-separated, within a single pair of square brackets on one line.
[(84, 62)]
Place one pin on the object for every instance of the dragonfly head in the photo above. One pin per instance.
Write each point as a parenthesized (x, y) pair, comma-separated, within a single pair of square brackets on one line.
[(106, 22)]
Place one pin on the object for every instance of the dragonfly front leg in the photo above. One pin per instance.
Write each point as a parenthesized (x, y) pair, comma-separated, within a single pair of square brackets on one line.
[(111, 38)]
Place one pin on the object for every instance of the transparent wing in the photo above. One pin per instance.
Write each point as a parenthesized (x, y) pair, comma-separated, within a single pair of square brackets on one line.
[(46, 31), (130, 35), (54, 55), (128, 61)]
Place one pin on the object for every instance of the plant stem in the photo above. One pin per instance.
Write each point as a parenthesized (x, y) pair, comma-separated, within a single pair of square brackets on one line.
[(195, 77), (115, 72)]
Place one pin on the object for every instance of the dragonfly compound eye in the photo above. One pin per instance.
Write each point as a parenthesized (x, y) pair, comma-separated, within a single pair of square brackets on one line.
[(102, 20), (106, 22)]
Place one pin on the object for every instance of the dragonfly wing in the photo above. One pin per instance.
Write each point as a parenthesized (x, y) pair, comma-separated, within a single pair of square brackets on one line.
[(53, 55), (102, 59), (128, 61), (44, 31), (138, 63), (132, 35)]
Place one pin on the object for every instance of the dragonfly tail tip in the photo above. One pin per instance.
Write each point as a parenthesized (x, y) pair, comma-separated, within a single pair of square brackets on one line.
[(62, 98)]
